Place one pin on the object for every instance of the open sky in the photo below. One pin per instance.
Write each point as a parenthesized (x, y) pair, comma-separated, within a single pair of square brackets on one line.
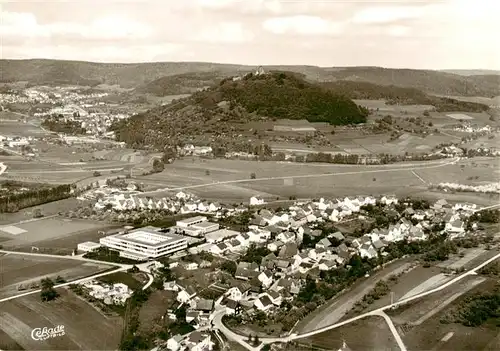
[(447, 34)]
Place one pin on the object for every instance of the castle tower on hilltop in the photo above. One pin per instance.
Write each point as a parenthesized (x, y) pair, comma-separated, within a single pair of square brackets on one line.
[(260, 71)]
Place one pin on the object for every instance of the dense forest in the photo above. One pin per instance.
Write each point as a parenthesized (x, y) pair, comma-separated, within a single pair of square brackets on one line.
[(18, 201), (285, 95), (399, 95)]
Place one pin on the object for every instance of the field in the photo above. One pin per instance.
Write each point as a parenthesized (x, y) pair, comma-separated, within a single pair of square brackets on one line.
[(371, 333), (63, 170), (336, 309), (85, 328), (49, 231), (420, 327), (154, 309), (48, 209), (23, 269), (309, 181)]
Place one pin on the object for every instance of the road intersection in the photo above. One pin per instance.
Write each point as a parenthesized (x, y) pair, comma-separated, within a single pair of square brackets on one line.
[(378, 312)]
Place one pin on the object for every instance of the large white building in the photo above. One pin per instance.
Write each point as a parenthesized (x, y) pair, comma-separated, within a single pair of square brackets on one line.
[(145, 243)]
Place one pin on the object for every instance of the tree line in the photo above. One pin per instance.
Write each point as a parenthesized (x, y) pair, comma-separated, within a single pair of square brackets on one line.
[(14, 202)]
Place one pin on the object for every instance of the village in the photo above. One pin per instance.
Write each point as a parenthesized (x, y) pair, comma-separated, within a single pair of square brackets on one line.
[(257, 273)]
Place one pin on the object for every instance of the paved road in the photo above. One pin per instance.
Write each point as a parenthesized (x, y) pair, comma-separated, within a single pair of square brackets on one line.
[(241, 339), (76, 258), (66, 284), (393, 329), (411, 167), (150, 281)]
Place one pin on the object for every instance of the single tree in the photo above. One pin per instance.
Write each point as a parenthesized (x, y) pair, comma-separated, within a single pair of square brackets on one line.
[(48, 293), (252, 175)]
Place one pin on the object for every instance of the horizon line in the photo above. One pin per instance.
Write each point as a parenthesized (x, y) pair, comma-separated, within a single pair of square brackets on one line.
[(245, 64)]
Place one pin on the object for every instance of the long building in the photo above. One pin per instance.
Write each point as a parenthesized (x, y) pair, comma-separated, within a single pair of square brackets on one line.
[(145, 243)]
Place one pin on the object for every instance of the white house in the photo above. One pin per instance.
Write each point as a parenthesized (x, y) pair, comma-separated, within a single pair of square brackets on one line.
[(256, 200), (186, 294), (266, 278), (234, 294), (198, 341), (174, 343), (263, 303), (456, 227)]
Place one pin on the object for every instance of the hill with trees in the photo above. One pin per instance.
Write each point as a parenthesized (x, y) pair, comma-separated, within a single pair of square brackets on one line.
[(185, 83), (400, 95), (134, 75), (214, 111)]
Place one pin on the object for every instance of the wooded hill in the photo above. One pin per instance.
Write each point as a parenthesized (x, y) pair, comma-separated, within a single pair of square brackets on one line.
[(400, 95), (277, 95), (54, 72)]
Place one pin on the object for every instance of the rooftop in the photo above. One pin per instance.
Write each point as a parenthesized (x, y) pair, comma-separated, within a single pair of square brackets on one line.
[(149, 237), (191, 220)]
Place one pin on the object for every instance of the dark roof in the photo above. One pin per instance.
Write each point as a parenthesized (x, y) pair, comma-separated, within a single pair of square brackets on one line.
[(196, 337), (231, 304), (288, 250), (266, 301), (273, 294), (205, 305)]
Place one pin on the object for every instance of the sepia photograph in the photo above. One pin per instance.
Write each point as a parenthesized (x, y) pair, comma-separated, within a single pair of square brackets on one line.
[(261, 175)]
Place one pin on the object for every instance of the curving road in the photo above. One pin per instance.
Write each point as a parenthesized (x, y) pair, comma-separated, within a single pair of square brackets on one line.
[(121, 267), (65, 284), (379, 312), (409, 167)]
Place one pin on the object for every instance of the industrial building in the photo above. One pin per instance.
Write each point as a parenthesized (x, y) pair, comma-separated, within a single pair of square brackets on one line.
[(145, 243), (195, 226)]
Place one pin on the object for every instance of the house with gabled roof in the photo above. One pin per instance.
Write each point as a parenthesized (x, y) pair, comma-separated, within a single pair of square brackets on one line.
[(275, 245), (323, 244), (266, 278), (326, 265), (286, 237), (246, 270), (337, 235), (233, 307), (186, 292), (263, 303), (288, 250)]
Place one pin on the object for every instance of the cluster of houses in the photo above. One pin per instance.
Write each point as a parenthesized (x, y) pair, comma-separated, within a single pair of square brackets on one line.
[(15, 141), (130, 199), (110, 294), (491, 188), (277, 278), (191, 150), (195, 341)]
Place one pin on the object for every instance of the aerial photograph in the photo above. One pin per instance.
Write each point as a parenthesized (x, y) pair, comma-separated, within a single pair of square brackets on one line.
[(231, 175)]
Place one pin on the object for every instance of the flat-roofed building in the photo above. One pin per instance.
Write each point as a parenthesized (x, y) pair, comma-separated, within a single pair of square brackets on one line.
[(88, 246), (145, 243), (199, 229), (188, 222), (206, 227)]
